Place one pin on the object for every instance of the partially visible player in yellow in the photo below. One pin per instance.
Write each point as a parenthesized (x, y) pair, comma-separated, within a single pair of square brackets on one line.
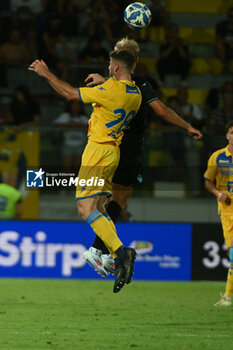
[(219, 181), (115, 103)]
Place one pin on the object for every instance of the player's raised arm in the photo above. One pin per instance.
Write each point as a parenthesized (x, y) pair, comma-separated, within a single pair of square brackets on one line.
[(170, 116), (61, 87)]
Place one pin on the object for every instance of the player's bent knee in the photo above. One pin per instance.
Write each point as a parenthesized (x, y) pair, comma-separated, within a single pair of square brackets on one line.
[(83, 209), (101, 207), (122, 202), (101, 203), (121, 197), (86, 206)]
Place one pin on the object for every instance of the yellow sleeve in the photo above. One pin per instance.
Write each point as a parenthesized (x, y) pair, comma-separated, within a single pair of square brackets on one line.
[(212, 168), (97, 94)]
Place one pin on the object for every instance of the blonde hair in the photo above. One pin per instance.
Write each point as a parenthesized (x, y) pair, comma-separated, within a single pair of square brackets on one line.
[(128, 44)]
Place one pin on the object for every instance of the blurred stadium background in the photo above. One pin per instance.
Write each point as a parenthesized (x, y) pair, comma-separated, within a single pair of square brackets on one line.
[(170, 219), (172, 190)]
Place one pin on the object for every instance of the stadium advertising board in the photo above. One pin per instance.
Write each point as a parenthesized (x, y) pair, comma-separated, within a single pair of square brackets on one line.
[(54, 249), (210, 260)]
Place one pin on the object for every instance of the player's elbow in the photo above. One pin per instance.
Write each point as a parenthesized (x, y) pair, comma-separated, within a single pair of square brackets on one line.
[(71, 93), (72, 97), (159, 108), (69, 97), (163, 112)]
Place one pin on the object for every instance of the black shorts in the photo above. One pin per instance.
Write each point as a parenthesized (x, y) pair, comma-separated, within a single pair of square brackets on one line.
[(129, 170)]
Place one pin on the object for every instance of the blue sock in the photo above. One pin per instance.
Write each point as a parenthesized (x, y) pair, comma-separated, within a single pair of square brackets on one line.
[(107, 216), (231, 256)]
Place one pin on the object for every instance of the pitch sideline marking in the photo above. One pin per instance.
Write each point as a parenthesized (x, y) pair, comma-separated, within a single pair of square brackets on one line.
[(204, 335), (78, 334)]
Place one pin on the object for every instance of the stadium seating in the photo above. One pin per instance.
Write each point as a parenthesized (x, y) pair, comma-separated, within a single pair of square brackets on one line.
[(20, 75), (199, 65), (196, 96), (198, 6), (191, 35), (197, 21)]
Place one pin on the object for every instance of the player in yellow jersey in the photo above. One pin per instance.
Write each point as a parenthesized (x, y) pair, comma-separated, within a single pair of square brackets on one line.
[(115, 103), (128, 172), (219, 181)]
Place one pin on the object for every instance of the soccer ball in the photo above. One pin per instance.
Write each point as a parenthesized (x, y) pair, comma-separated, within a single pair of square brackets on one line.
[(137, 15)]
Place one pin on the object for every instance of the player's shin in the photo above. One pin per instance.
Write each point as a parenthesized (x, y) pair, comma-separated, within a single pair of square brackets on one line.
[(99, 244), (229, 286), (105, 229), (120, 252), (113, 210)]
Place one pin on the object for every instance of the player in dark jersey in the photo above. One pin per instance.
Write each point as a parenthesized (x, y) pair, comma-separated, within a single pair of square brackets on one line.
[(132, 146), (128, 173)]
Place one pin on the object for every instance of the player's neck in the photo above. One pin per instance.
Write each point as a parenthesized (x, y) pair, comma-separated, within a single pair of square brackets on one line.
[(230, 148), (123, 76)]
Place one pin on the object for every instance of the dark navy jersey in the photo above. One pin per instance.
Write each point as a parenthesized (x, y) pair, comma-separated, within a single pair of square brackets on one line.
[(140, 121), (131, 147)]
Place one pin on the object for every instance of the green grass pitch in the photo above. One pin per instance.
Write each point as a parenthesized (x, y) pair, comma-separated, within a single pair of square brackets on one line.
[(83, 315)]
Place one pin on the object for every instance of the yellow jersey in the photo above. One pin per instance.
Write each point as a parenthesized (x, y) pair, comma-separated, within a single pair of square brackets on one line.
[(220, 170), (115, 103)]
